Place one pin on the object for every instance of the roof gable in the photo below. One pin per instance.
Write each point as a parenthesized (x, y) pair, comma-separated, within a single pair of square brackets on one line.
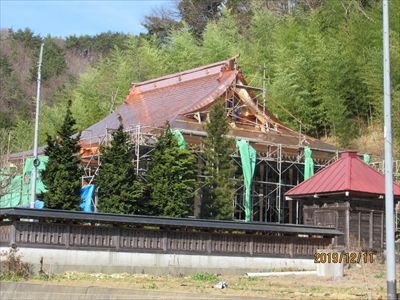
[(152, 102), (347, 174)]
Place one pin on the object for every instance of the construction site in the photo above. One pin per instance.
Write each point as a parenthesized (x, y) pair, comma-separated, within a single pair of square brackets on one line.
[(184, 99)]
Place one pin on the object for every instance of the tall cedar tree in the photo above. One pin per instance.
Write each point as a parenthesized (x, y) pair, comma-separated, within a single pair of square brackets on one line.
[(63, 169), (119, 190), (218, 194), (54, 61), (196, 13), (170, 181)]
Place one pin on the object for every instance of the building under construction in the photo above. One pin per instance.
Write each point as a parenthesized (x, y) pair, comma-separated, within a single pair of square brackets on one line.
[(184, 99)]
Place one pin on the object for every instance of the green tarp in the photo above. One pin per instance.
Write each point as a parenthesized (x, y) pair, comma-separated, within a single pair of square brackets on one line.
[(248, 157), (18, 189), (309, 164), (367, 159)]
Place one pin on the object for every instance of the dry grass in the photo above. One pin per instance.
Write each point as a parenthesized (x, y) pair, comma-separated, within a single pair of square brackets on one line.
[(357, 282), (370, 142)]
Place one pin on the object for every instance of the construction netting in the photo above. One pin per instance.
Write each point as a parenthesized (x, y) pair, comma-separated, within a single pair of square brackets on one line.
[(181, 139), (17, 189), (248, 157), (309, 164)]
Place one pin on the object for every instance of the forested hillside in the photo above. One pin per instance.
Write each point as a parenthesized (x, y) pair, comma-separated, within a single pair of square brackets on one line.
[(323, 62)]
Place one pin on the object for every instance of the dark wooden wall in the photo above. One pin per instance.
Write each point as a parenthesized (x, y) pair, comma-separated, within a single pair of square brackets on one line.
[(362, 222), (164, 240)]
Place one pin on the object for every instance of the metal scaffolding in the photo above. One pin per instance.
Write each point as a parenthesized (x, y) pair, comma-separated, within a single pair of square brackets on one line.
[(276, 172), (279, 167), (380, 166)]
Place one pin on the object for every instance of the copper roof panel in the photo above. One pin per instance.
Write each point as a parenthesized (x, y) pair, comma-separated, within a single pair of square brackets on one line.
[(154, 107)]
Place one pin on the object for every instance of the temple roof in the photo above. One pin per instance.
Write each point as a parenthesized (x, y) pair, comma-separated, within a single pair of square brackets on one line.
[(348, 174), (184, 99)]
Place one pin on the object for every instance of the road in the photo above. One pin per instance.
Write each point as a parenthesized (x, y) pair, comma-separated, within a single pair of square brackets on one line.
[(30, 291)]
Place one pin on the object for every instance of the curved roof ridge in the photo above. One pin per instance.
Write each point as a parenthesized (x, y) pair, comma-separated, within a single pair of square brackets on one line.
[(186, 72)]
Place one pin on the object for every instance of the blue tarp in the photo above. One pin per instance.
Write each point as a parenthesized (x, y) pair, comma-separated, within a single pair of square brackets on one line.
[(37, 204), (87, 195)]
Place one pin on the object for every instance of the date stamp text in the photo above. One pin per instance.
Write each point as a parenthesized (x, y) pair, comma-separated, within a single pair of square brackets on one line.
[(348, 257)]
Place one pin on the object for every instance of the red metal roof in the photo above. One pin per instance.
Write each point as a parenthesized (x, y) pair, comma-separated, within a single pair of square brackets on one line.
[(347, 174), (152, 102)]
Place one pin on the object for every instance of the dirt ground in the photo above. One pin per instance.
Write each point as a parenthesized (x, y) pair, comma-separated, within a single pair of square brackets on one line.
[(358, 281)]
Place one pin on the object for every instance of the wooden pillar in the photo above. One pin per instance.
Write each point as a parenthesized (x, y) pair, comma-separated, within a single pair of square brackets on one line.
[(165, 239), (261, 192), (359, 228), (371, 229), (382, 229), (67, 232), (13, 232), (209, 243), (117, 237), (347, 229), (197, 197), (251, 246), (290, 202)]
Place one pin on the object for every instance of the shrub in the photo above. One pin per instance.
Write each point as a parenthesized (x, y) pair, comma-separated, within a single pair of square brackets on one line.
[(204, 277), (13, 266)]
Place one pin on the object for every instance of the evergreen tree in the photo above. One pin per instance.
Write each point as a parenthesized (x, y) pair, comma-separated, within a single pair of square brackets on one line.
[(63, 169), (169, 181), (218, 194), (120, 191), (196, 13), (54, 61), (26, 37)]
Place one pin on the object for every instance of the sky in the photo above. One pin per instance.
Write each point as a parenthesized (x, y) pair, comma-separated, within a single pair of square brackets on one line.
[(65, 18)]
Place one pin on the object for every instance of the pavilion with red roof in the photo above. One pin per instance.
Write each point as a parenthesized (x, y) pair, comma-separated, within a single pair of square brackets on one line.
[(350, 196)]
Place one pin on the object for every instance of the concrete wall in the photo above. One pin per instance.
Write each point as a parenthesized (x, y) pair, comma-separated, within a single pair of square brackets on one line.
[(58, 261)]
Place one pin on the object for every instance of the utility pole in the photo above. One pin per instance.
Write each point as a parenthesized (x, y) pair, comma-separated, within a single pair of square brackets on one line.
[(36, 161), (389, 204)]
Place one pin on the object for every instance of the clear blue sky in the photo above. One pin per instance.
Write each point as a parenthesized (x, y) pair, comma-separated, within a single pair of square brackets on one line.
[(65, 18)]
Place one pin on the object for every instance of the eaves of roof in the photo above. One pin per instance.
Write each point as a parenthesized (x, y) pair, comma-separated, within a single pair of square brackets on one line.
[(347, 174), (79, 216), (286, 138)]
